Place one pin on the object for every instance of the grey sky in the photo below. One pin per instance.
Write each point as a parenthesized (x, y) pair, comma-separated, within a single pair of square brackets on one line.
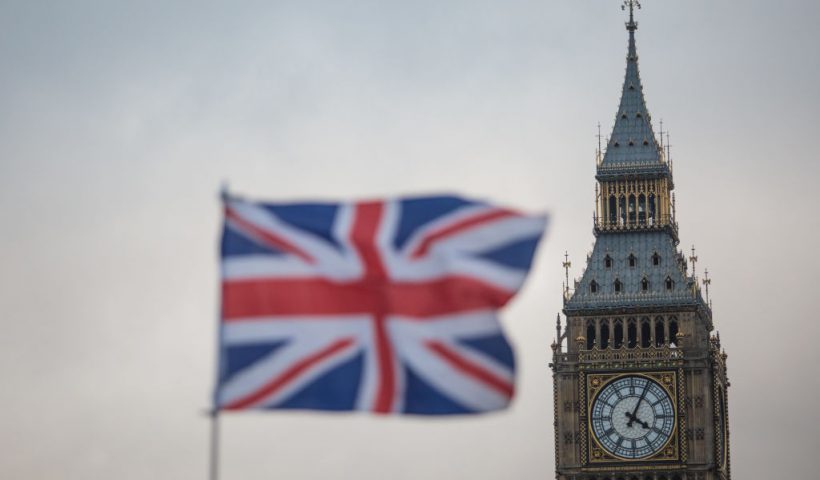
[(119, 120)]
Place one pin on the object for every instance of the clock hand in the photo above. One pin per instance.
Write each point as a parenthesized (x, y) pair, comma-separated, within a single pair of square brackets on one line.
[(636, 419), (635, 412)]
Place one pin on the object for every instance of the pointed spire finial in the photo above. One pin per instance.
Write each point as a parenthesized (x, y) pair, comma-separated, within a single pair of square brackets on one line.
[(706, 282), (566, 264), (631, 4), (558, 335), (662, 134), (694, 260), (599, 154)]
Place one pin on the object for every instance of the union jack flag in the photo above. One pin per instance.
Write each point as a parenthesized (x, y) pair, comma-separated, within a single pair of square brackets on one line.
[(382, 306)]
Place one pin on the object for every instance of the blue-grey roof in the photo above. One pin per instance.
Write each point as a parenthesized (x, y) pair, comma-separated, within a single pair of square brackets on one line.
[(632, 143), (643, 245)]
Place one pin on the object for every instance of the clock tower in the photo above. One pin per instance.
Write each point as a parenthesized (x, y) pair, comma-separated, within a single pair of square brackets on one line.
[(640, 385)]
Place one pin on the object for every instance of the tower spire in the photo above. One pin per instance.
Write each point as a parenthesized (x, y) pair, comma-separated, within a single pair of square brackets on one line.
[(633, 141)]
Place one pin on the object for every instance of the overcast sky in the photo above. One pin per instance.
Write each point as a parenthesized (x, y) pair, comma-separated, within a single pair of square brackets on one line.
[(119, 121)]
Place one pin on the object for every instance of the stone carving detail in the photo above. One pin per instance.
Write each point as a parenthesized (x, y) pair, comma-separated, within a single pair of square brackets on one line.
[(629, 355)]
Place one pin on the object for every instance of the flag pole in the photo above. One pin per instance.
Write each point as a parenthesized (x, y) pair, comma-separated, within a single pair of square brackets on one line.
[(213, 473), (213, 464)]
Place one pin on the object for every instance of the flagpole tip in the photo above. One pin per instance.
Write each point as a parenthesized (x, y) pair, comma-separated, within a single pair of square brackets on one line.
[(224, 194)]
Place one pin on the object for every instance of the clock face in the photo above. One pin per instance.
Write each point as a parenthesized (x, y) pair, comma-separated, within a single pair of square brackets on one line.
[(632, 417)]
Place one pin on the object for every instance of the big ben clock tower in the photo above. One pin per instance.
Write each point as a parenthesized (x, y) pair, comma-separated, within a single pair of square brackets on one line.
[(640, 383)]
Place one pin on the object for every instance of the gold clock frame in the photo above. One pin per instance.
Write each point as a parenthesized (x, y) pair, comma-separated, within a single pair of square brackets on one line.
[(594, 453), (721, 424)]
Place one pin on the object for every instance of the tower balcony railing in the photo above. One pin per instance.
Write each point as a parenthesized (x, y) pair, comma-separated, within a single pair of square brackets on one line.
[(635, 168), (633, 223), (632, 354), (688, 297), (657, 298), (621, 355)]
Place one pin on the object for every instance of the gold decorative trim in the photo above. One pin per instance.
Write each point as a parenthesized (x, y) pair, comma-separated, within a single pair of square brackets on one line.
[(555, 415), (624, 354), (583, 414), (667, 379), (684, 442), (635, 468), (720, 395)]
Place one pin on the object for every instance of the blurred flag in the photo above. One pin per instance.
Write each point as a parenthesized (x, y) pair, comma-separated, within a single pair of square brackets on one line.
[(383, 306)]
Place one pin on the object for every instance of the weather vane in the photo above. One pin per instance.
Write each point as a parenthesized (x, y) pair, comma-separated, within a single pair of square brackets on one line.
[(631, 4)]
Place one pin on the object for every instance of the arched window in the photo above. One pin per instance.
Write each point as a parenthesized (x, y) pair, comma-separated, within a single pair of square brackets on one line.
[(622, 209), (633, 260), (619, 334), (593, 287), (613, 209), (590, 334), (604, 334), (659, 334), (631, 334), (618, 286), (651, 208), (656, 259), (644, 284), (646, 333), (608, 261), (641, 209), (632, 209), (669, 284)]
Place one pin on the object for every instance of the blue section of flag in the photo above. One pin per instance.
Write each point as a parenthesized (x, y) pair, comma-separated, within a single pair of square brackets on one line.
[(316, 218), (495, 346), (515, 255), (422, 398), (235, 245), (416, 212), (335, 390), (239, 357)]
